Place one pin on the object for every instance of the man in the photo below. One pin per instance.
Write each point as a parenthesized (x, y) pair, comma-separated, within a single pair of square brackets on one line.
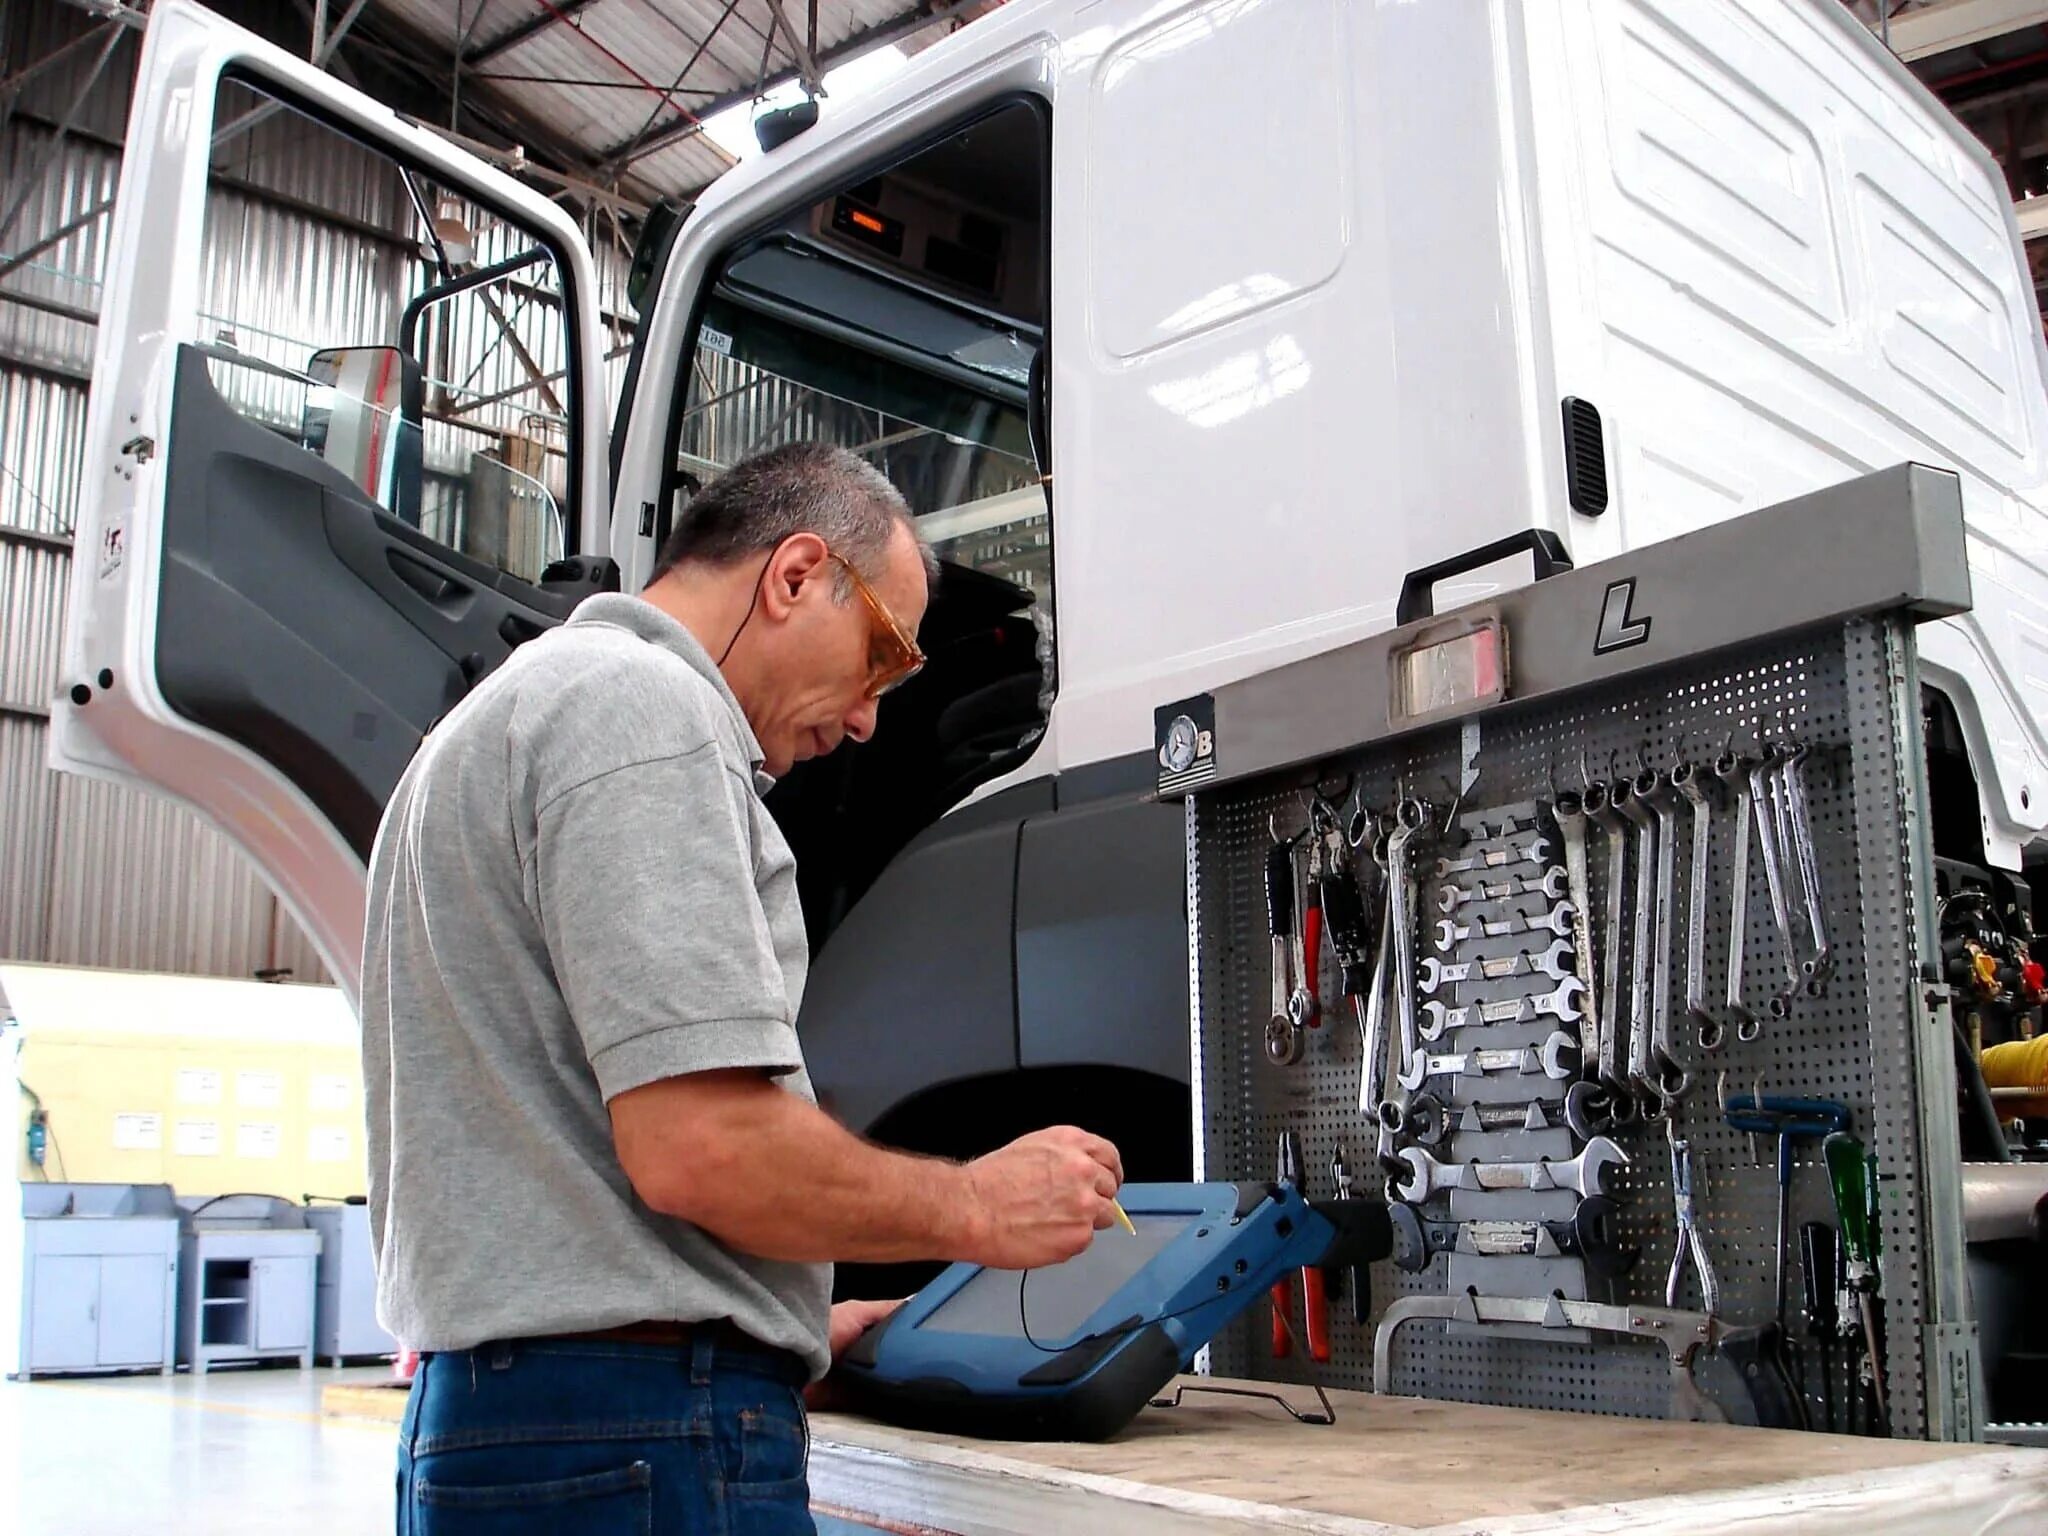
[(604, 1200)]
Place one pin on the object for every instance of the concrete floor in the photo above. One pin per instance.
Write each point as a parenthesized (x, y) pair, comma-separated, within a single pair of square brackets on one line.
[(228, 1453)]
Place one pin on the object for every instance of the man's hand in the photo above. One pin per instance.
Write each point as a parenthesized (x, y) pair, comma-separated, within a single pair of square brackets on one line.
[(1040, 1199), (851, 1319)]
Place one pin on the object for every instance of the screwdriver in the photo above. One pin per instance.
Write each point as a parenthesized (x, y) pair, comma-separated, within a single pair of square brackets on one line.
[(1817, 1271), (1852, 1174)]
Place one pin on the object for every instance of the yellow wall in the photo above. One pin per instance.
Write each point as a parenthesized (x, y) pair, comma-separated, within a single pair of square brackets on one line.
[(268, 1076)]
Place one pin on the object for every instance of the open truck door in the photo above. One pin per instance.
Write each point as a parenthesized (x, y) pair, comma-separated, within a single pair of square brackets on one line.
[(295, 553)]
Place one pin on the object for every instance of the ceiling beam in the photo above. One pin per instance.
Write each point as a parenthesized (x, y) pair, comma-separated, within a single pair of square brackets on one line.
[(533, 26), (1949, 24)]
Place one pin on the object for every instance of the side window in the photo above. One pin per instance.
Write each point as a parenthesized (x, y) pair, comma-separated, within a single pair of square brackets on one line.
[(414, 340), (901, 318)]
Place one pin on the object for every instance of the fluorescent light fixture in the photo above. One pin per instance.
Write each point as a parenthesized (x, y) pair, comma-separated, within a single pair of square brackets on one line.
[(733, 129)]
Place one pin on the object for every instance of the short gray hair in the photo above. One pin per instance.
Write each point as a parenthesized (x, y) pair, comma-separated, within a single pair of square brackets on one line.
[(797, 488)]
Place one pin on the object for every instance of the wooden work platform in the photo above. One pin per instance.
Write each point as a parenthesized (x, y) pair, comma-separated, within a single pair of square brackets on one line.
[(1400, 1465), (1397, 1466)]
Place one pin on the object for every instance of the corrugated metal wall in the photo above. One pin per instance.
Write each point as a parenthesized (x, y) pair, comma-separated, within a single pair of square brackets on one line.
[(306, 248)]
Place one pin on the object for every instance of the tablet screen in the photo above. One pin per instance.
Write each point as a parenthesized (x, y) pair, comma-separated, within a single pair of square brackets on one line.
[(1061, 1297)]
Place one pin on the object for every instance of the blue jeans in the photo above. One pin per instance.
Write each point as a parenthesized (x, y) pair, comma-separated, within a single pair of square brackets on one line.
[(580, 1435)]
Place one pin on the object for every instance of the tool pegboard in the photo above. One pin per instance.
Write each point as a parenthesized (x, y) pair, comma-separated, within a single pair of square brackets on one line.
[(1845, 691)]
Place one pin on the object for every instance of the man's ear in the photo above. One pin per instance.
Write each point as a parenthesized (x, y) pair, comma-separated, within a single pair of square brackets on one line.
[(796, 560)]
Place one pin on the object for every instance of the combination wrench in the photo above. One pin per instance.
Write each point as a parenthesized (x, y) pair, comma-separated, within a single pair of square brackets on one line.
[(1807, 860), (1585, 1174), (1764, 803), (1708, 1030), (1643, 837), (1283, 1038), (1556, 1058), (1614, 828), (1569, 812), (1668, 1077), (1733, 772), (1410, 817), (1372, 1017)]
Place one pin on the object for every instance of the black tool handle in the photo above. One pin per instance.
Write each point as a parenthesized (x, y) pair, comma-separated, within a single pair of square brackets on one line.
[(1280, 890), (1817, 1271), (1418, 588)]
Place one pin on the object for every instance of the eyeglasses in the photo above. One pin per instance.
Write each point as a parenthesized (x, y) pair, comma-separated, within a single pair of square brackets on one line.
[(893, 656)]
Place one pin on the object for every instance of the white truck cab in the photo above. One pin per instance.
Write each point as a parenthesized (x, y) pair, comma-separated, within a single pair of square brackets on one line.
[(1190, 327)]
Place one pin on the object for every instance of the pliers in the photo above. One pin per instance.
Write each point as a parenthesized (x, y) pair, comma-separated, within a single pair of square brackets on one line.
[(1315, 1306), (1690, 1240)]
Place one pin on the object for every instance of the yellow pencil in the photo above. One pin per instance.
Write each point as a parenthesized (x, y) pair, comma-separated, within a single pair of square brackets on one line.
[(1117, 1206)]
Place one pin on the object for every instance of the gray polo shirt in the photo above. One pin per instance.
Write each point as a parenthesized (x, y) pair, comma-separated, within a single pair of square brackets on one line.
[(576, 890)]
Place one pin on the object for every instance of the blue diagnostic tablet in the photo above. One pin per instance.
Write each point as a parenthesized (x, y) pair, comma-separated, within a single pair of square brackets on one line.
[(1074, 1350)]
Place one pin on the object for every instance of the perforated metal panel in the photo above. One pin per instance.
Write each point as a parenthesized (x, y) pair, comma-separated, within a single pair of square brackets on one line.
[(1841, 690)]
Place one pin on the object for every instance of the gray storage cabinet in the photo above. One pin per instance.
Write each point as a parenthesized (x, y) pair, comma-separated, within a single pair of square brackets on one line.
[(345, 1322), (246, 1281), (99, 1278)]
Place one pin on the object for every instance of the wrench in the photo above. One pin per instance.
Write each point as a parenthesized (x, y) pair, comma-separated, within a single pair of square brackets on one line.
[(1305, 1005), (1585, 1174), (1822, 965), (1764, 801), (1564, 1003), (1372, 1022), (1670, 1079), (1536, 851), (1683, 1335), (1410, 817), (1600, 808), (1711, 1032), (1436, 974), (1560, 919), (1283, 1040), (1589, 1234), (1569, 811), (1551, 885), (1733, 772), (1557, 1058), (1505, 1117), (1625, 801)]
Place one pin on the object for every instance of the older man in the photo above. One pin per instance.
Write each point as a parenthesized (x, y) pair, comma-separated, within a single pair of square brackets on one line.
[(605, 1202)]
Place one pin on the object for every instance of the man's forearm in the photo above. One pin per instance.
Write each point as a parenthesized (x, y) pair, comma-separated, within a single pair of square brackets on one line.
[(768, 1174)]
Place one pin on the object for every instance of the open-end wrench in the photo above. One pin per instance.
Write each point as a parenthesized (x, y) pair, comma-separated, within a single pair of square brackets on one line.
[(1535, 851), (1643, 837), (1764, 802), (1536, 1115), (1585, 1174), (1683, 1334), (1283, 1040), (1733, 772), (1436, 975), (1806, 858), (1551, 885), (1556, 1058), (1560, 920), (1590, 1234), (1569, 811), (1709, 1030), (1565, 1002), (1667, 1075)]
